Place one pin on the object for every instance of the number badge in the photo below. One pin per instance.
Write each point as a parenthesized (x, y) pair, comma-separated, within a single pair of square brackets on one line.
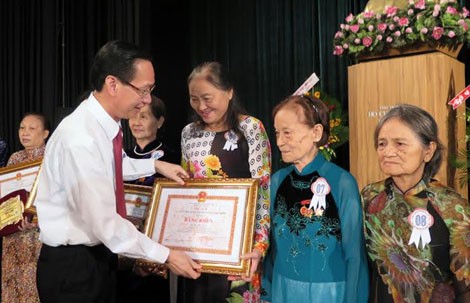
[(421, 220)]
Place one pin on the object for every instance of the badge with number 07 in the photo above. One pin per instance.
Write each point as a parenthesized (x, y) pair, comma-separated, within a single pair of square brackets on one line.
[(320, 188)]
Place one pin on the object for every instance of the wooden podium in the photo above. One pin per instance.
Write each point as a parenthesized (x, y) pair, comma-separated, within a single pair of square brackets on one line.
[(428, 80)]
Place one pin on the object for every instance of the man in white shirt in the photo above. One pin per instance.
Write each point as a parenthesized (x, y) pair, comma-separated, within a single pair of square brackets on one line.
[(76, 200)]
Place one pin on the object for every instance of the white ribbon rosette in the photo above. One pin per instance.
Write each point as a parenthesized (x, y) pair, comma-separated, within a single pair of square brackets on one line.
[(232, 140), (421, 220), (320, 188)]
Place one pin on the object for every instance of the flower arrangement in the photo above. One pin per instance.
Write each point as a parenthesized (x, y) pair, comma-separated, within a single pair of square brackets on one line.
[(435, 23), (339, 131)]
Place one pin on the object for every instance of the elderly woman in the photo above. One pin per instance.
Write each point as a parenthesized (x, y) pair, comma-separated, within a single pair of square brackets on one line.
[(317, 251), (146, 129), (21, 250), (417, 230), (224, 142)]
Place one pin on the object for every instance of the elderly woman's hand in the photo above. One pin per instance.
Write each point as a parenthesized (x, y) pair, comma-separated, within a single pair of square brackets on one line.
[(27, 225), (255, 257)]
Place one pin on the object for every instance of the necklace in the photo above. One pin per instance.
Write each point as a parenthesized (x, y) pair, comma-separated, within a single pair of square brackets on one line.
[(149, 152)]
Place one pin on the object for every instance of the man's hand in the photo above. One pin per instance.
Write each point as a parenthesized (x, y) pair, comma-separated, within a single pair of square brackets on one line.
[(182, 265), (255, 257), (172, 171)]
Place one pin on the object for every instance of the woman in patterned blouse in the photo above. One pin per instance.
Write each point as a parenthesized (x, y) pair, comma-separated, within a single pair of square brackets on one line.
[(223, 142), (21, 249), (417, 229)]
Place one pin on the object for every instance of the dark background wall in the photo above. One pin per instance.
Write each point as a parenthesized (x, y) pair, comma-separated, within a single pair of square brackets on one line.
[(269, 46)]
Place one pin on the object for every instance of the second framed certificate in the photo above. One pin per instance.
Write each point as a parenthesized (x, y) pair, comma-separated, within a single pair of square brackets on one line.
[(210, 219)]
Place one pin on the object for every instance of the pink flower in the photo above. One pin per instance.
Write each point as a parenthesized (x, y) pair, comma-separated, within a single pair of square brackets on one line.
[(370, 28), (341, 26), (421, 4), (382, 27), (354, 28), (346, 27), (198, 171), (396, 19), (349, 18), (345, 46), (403, 21), (379, 37), (369, 14), (389, 39), (367, 41), (357, 41), (463, 24), (391, 27), (436, 11), (465, 12), (451, 34), (408, 30), (424, 30), (451, 10), (437, 32), (360, 21), (339, 34), (338, 50), (397, 34), (391, 11), (410, 12)]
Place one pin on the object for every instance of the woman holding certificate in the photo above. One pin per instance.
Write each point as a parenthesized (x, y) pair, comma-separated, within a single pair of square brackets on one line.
[(21, 249), (224, 142), (317, 251)]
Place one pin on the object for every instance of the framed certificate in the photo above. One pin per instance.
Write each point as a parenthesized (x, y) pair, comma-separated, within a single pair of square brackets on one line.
[(138, 198), (212, 220), (18, 185), (20, 176)]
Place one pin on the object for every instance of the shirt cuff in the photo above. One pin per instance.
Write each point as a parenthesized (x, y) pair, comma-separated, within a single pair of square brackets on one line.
[(159, 253)]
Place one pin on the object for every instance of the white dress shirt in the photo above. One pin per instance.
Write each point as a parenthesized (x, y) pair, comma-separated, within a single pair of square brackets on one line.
[(75, 200)]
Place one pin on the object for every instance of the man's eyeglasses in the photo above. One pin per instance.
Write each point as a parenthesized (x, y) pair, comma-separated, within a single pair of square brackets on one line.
[(141, 92)]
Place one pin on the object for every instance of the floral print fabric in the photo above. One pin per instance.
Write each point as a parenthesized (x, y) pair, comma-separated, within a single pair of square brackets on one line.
[(440, 271), (21, 250)]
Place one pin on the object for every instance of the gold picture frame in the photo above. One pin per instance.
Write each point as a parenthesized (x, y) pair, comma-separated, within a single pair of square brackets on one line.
[(21, 176), (138, 199), (212, 220)]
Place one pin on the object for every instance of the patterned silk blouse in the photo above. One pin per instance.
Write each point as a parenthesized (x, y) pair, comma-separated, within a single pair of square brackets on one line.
[(317, 254), (398, 226)]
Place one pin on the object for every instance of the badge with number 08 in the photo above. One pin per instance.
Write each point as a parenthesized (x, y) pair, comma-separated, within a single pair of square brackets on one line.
[(421, 220)]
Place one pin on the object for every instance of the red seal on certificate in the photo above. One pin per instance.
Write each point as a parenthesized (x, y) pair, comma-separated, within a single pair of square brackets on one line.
[(421, 220), (201, 196), (320, 188)]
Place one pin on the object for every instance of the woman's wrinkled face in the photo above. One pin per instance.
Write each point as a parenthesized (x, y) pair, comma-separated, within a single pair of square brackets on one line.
[(210, 103), (400, 152), (32, 133), (296, 140), (144, 125)]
